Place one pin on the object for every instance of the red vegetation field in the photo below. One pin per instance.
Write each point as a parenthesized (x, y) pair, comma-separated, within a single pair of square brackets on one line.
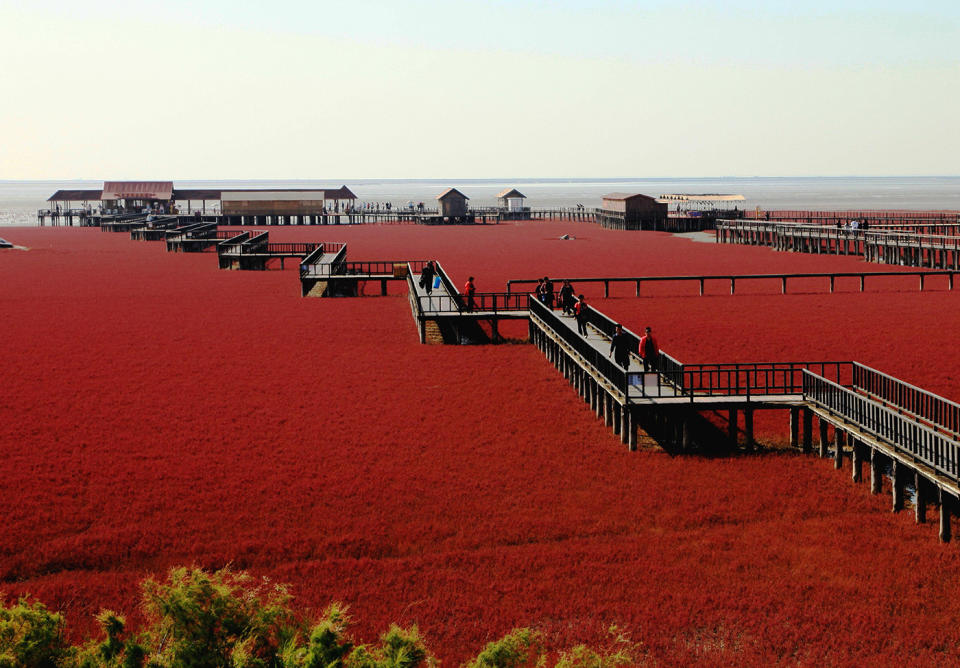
[(157, 411)]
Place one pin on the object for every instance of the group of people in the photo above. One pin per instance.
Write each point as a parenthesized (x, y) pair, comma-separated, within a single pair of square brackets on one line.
[(565, 299), (429, 280), (622, 344), (853, 225)]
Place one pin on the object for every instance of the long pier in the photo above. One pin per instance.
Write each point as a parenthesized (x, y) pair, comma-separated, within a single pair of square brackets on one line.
[(829, 279), (477, 216), (908, 247)]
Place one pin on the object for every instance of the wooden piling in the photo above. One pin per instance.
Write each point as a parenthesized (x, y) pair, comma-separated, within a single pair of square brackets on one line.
[(807, 430), (823, 438), (920, 503), (876, 479), (748, 427), (838, 439), (625, 422), (856, 457), (732, 427), (897, 474), (946, 501), (794, 426)]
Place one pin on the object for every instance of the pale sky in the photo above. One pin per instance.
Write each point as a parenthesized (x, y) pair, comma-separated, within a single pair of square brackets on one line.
[(468, 89)]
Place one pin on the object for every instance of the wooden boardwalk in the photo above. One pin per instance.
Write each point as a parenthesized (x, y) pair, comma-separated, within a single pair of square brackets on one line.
[(857, 413)]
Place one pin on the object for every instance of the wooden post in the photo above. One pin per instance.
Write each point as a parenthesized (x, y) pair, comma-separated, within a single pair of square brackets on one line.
[(876, 479), (945, 502), (794, 426), (599, 401), (625, 424), (838, 439), (732, 427), (823, 437), (733, 285), (807, 429), (748, 427), (685, 435), (632, 440), (608, 409), (856, 454), (617, 410), (896, 473), (920, 506)]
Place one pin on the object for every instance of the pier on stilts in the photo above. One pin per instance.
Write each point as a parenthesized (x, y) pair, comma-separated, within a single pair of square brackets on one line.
[(921, 244)]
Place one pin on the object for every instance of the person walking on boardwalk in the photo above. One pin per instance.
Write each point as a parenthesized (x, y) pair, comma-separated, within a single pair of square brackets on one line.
[(548, 292), (566, 298), (620, 347), (469, 290), (649, 350), (426, 277), (580, 311)]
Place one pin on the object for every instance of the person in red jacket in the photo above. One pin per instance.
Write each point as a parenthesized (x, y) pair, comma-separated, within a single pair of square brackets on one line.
[(649, 350), (468, 291)]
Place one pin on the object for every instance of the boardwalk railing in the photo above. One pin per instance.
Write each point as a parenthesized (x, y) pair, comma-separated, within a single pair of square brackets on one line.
[(483, 302), (757, 378), (324, 260), (904, 435), (732, 279), (602, 364), (937, 412), (395, 268)]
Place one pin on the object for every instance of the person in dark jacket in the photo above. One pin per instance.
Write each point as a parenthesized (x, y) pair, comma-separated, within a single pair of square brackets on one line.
[(566, 298), (620, 347), (426, 277)]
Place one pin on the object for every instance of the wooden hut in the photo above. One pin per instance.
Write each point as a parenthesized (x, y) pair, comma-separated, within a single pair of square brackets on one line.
[(632, 211), (511, 200), (452, 203), (136, 195)]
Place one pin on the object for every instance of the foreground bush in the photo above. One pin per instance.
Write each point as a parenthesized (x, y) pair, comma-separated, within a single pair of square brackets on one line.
[(227, 619)]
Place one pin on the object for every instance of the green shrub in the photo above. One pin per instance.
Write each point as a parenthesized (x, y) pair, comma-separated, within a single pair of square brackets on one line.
[(31, 635), (521, 648)]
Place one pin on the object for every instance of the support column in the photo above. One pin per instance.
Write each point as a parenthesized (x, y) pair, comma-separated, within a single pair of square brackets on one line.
[(608, 409), (920, 506), (632, 439), (876, 479), (794, 426), (732, 427), (748, 427), (856, 457), (685, 435), (593, 395), (823, 437), (946, 501), (599, 401), (617, 410), (625, 424), (838, 438), (807, 430), (897, 473)]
